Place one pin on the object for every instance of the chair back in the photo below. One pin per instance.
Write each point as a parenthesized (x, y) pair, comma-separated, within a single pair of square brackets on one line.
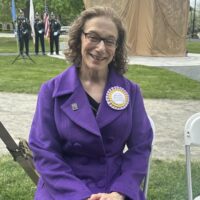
[(153, 128), (192, 130), (191, 137), (146, 180)]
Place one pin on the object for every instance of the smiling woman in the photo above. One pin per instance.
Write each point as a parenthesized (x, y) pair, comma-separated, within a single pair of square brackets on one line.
[(86, 115), (97, 52)]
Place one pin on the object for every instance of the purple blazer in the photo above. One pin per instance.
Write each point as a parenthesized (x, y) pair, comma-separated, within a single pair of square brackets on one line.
[(78, 154)]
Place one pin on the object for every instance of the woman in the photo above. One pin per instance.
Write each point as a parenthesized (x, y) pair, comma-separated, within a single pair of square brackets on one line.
[(86, 115)]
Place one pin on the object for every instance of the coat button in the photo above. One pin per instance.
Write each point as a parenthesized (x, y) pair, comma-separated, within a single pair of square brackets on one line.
[(100, 184), (84, 160), (110, 139), (90, 183), (77, 145), (102, 160)]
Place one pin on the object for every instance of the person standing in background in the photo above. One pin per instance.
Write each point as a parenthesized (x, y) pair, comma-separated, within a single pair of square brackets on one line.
[(54, 34), (39, 34), (23, 31)]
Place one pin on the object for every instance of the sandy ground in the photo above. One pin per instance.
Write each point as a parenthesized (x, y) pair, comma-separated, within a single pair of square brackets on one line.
[(170, 116)]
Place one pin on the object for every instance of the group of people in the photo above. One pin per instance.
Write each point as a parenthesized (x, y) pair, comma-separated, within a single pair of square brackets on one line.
[(24, 33), (86, 115)]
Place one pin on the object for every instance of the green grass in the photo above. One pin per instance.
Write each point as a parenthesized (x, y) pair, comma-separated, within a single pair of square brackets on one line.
[(167, 180), (26, 77), (9, 45), (161, 83), (193, 46), (14, 183)]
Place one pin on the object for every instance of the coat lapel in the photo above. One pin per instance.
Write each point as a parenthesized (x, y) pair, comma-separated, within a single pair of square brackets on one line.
[(77, 108), (106, 114)]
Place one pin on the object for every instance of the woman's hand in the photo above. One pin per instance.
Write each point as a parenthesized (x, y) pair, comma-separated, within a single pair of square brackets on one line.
[(107, 196)]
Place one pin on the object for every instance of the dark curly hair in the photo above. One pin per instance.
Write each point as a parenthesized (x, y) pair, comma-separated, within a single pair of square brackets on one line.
[(73, 53)]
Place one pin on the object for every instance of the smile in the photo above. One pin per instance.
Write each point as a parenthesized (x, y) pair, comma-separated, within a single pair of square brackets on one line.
[(98, 58)]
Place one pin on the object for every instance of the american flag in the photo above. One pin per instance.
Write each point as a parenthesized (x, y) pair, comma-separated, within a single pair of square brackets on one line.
[(46, 24)]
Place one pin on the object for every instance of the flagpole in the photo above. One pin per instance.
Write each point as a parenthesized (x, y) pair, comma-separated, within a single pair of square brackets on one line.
[(14, 20), (32, 18), (16, 36), (45, 5)]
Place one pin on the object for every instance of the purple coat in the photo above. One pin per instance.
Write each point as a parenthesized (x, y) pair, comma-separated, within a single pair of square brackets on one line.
[(78, 154)]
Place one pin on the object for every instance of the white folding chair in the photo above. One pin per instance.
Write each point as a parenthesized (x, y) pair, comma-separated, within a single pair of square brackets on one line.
[(192, 138), (146, 180)]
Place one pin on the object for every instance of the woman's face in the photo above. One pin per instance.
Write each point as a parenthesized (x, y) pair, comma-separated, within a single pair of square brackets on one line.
[(98, 43)]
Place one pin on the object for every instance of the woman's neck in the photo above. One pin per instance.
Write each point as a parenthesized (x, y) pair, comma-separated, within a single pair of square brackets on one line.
[(93, 82), (93, 76)]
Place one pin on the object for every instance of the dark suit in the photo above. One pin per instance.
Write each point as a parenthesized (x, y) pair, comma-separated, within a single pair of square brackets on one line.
[(39, 35), (23, 31), (54, 35)]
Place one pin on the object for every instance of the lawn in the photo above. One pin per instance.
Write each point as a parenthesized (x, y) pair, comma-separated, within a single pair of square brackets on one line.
[(26, 77), (161, 83), (10, 45), (193, 46), (167, 180)]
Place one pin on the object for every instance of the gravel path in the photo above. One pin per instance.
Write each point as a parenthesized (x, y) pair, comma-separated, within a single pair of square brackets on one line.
[(16, 113)]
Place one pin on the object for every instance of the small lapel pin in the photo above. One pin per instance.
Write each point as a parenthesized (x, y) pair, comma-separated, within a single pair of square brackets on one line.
[(74, 106)]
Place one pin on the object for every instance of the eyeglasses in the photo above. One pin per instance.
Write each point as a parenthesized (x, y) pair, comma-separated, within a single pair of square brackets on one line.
[(95, 39)]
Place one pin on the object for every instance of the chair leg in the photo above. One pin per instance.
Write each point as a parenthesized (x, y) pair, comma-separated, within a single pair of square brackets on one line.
[(146, 180), (188, 171)]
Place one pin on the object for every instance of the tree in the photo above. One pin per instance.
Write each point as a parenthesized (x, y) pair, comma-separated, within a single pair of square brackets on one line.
[(67, 10), (5, 7)]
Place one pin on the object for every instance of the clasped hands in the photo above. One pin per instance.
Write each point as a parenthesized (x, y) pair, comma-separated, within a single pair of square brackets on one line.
[(107, 196)]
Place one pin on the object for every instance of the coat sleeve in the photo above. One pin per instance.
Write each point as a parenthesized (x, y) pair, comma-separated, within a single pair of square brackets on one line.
[(135, 159), (44, 141)]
